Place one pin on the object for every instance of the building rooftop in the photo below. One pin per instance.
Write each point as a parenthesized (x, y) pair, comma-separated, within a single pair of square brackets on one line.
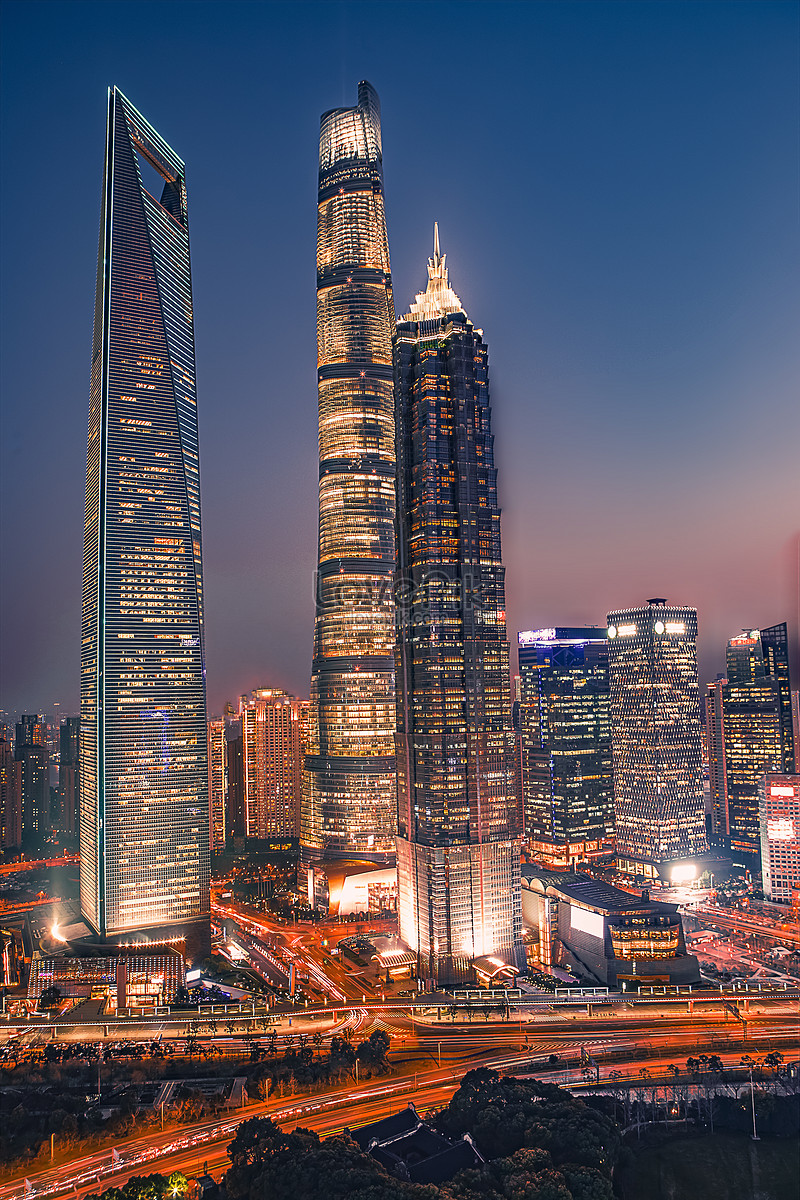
[(388, 1129), (408, 1148), (593, 893)]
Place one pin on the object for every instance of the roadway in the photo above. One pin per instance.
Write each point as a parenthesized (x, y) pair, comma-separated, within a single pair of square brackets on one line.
[(754, 926), (638, 1055)]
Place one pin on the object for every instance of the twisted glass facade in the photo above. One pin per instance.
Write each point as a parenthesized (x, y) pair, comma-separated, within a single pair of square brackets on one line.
[(655, 735), (458, 819), (348, 805), (144, 774)]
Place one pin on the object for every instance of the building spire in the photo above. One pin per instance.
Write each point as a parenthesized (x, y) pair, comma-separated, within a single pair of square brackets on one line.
[(438, 299)]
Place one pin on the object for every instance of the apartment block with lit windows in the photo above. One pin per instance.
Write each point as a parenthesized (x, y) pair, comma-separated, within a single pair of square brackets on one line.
[(779, 821), (273, 740)]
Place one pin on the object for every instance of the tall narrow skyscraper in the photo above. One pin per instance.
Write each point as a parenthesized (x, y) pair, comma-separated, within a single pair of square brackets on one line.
[(775, 645), (144, 772), (655, 739), (458, 848), (349, 784), (748, 733)]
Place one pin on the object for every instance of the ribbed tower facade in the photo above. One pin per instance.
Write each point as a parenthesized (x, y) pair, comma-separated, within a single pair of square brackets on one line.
[(349, 780), (144, 772), (458, 848), (655, 738)]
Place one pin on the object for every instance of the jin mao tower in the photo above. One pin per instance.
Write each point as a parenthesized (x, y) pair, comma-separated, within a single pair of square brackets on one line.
[(458, 842), (144, 774), (349, 782)]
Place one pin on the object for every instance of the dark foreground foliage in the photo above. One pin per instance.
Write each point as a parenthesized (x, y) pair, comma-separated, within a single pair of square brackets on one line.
[(543, 1143)]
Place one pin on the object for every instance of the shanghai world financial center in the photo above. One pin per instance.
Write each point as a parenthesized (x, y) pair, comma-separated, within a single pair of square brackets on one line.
[(144, 839)]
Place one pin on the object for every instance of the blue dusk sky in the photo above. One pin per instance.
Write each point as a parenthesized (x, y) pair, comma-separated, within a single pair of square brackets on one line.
[(616, 186)]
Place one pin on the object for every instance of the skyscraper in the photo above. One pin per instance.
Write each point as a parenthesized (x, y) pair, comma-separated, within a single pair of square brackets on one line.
[(458, 847), (745, 735), (31, 752), (779, 819), (655, 739), (349, 791), (565, 732), (68, 780), (144, 775), (217, 783), (272, 725), (775, 647), (10, 796)]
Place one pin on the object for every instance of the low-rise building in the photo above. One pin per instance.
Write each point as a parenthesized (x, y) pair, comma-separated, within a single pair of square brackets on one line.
[(411, 1150), (124, 976), (603, 934)]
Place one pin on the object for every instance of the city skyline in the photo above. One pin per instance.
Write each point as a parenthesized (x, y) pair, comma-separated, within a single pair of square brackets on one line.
[(667, 323)]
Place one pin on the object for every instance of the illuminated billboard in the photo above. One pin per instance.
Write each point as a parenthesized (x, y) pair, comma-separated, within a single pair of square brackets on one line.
[(584, 920)]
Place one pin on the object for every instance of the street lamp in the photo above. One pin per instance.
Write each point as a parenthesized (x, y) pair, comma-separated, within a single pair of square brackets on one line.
[(750, 1064)]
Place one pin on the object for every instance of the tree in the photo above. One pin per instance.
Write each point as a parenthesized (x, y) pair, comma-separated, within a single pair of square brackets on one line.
[(181, 999), (50, 997), (773, 1061)]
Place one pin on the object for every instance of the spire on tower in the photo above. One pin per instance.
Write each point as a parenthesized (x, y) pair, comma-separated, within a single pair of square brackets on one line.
[(439, 298)]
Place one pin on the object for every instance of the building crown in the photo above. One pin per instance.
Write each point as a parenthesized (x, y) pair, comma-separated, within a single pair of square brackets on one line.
[(438, 299)]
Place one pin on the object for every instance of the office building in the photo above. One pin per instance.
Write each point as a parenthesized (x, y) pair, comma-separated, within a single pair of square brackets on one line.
[(655, 740), (779, 821), (775, 648), (565, 745), (349, 796), (144, 834), (31, 752), (745, 736), (458, 845), (234, 801), (272, 727), (217, 784)]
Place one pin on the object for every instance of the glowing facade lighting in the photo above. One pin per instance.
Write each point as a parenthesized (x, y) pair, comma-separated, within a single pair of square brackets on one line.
[(348, 803), (779, 819), (565, 746), (655, 736), (144, 834), (458, 826)]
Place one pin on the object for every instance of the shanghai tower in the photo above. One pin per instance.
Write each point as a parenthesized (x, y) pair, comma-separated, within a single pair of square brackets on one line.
[(349, 770), (458, 844), (144, 828)]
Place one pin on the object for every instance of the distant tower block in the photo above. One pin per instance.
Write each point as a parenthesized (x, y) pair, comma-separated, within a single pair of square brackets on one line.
[(655, 739)]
